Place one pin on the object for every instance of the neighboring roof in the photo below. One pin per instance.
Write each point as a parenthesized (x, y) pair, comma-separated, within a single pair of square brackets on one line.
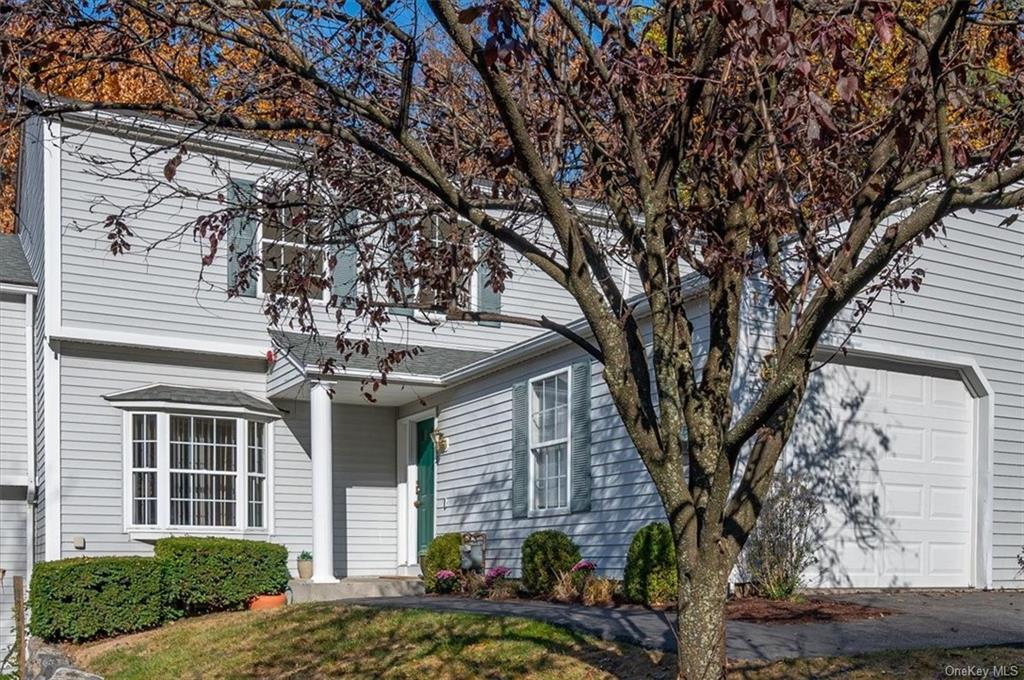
[(13, 265), (194, 396), (431, 361)]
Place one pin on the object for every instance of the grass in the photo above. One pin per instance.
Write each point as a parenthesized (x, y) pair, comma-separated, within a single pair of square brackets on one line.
[(332, 640)]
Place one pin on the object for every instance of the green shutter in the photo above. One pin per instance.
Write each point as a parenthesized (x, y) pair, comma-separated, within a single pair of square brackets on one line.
[(580, 452), (346, 273), (242, 234), (487, 299), (520, 451)]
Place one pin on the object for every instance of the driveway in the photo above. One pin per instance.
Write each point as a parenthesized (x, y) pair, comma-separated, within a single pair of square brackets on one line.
[(919, 620)]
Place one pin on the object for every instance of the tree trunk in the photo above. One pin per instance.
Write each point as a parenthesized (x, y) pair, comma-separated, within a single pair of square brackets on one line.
[(701, 623)]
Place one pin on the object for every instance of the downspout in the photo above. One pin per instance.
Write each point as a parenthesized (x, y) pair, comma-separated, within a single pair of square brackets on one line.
[(30, 432)]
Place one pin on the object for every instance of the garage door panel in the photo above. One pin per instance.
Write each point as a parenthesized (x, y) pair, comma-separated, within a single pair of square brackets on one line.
[(899, 496)]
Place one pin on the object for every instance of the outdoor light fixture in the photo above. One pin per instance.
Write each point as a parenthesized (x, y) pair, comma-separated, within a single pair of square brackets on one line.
[(440, 441)]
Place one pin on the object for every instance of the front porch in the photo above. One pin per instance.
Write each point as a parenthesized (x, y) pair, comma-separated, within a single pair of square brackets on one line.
[(368, 502), (355, 587)]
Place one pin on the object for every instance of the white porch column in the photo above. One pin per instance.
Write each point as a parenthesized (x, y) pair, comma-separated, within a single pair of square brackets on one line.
[(323, 492)]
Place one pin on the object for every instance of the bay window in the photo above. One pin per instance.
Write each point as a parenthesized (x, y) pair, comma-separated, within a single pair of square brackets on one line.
[(196, 472)]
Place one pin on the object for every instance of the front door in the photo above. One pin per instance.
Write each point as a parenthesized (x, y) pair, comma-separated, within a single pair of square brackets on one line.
[(424, 485)]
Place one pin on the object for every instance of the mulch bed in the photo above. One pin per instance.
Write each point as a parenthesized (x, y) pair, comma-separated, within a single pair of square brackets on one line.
[(807, 610)]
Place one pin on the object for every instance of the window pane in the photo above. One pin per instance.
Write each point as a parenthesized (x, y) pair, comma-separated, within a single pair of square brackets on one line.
[(551, 470), (202, 451)]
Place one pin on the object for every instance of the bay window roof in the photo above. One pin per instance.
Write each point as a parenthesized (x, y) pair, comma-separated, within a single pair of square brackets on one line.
[(190, 397)]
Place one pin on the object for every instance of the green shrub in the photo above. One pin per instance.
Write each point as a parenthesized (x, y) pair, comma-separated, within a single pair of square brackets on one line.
[(214, 574), (442, 554), (546, 556), (650, 577), (89, 597)]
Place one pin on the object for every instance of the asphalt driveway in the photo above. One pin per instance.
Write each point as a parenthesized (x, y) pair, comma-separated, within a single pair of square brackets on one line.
[(919, 620)]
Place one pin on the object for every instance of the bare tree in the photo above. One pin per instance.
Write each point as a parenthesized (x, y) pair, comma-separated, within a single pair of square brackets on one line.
[(809, 145)]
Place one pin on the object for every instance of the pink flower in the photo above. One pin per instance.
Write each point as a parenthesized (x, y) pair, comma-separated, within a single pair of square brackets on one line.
[(496, 574), (583, 565), (445, 575)]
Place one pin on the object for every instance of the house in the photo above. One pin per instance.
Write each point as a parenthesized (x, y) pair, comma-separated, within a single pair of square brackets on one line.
[(139, 401)]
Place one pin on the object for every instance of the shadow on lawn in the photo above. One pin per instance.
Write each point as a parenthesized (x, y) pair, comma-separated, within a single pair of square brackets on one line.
[(419, 644)]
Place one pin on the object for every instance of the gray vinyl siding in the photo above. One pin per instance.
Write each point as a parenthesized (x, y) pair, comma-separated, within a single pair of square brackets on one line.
[(91, 437), (159, 291), (474, 477), (30, 230), (15, 380), (92, 464), (972, 304), (13, 561), (365, 500)]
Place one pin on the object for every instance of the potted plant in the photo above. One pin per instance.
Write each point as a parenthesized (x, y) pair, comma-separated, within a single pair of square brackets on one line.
[(268, 601), (305, 565)]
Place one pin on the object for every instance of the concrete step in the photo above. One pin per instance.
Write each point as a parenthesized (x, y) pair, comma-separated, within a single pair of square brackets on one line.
[(355, 587)]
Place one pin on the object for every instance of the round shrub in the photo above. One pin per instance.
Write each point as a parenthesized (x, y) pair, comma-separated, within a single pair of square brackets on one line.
[(83, 598), (546, 556), (650, 577), (215, 574), (442, 555)]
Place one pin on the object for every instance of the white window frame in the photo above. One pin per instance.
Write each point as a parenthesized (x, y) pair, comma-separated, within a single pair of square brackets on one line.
[(163, 526), (325, 295), (531, 444)]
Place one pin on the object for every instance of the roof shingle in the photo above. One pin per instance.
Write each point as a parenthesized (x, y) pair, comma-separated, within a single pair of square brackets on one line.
[(13, 265)]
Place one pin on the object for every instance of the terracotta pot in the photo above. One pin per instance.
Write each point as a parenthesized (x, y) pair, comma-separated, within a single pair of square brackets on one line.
[(306, 569), (267, 602)]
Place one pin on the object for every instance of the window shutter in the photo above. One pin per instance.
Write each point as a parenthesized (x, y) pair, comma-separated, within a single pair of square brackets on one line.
[(401, 311), (580, 452), (487, 299), (520, 451), (345, 273), (242, 233)]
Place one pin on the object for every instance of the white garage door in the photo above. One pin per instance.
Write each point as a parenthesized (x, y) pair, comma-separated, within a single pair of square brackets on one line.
[(892, 454)]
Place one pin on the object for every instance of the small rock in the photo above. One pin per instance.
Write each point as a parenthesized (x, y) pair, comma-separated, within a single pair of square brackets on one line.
[(73, 674)]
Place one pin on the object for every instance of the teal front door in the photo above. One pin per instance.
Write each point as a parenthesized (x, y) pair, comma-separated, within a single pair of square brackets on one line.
[(424, 485)]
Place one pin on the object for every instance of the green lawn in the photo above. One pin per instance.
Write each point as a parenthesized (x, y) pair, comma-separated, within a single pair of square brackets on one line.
[(332, 640)]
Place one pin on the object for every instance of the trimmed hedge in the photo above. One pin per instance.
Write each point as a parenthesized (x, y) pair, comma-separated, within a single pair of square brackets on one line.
[(83, 598), (546, 556), (216, 574), (650, 577), (442, 553)]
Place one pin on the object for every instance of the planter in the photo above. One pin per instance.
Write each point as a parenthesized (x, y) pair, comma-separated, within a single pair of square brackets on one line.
[(267, 602), (306, 569)]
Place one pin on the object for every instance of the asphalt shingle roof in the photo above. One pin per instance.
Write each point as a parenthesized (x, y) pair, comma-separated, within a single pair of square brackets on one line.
[(13, 265), (195, 396), (431, 361)]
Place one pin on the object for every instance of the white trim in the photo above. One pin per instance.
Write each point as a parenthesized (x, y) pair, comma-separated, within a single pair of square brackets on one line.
[(163, 526), (179, 407), (14, 480), (925, 361), (159, 342), (51, 345), (406, 476), (531, 471), (17, 288), (30, 434)]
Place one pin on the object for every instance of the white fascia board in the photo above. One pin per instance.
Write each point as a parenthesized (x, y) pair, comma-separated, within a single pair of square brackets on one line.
[(161, 342), (182, 407), (313, 371), (18, 288), (51, 346)]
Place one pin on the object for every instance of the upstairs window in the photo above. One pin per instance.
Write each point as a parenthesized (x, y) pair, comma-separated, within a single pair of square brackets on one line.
[(290, 243)]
